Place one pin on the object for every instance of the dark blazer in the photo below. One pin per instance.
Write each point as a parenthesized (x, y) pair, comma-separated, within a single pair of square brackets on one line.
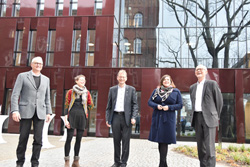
[(212, 102), (31, 98), (130, 104)]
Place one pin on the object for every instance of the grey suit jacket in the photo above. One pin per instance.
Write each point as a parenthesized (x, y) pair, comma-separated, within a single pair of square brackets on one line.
[(130, 104), (31, 98), (212, 102)]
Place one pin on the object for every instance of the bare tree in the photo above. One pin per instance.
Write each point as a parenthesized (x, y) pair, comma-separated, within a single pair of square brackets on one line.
[(204, 12)]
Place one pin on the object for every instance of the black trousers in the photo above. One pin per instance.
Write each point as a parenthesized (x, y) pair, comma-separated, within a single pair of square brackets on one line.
[(163, 150), (70, 133), (121, 132), (205, 137), (25, 126)]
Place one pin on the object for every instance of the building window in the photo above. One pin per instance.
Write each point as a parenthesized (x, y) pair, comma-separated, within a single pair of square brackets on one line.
[(126, 46), (89, 61), (73, 8), (98, 7), (126, 20), (92, 113), (50, 48), (16, 8), (2, 8), (40, 8), (7, 108), (59, 8), (138, 20), (137, 46), (18, 48), (76, 44), (31, 46)]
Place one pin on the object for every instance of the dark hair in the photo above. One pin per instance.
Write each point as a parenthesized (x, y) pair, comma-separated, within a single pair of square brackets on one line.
[(79, 76), (162, 79)]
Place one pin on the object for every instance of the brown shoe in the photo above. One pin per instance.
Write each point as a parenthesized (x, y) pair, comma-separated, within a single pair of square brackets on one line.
[(76, 161), (66, 161)]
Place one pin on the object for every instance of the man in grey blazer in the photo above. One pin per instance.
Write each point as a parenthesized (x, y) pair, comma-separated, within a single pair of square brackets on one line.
[(30, 102), (121, 112), (207, 102)]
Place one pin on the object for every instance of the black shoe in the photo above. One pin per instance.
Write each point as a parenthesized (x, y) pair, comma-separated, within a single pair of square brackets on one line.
[(123, 165), (19, 165), (115, 165)]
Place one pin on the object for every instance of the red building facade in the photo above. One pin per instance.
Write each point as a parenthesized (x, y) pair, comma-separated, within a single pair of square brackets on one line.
[(78, 39)]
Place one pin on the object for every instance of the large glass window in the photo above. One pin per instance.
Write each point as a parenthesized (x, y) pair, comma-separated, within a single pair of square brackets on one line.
[(53, 107), (137, 46), (98, 7), (92, 113), (138, 20), (228, 118), (73, 8), (40, 8), (50, 48), (185, 117), (16, 8), (76, 44), (246, 101), (2, 8), (18, 48), (7, 108), (31, 46), (59, 8), (90, 50)]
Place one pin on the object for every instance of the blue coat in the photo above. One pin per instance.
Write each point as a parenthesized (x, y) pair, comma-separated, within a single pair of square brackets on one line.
[(163, 126)]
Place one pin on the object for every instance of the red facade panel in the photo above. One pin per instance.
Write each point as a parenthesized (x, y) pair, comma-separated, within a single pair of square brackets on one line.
[(104, 83), (246, 81), (7, 40), (104, 42), (49, 8), (9, 7), (28, 8), (108, 7), (151, 79), (66, 4), (41, 38), (85, 8), (64, 31), (227, 76)]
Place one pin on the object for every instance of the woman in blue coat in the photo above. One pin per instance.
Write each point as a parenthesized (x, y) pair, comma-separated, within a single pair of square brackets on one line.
[(164, 100)]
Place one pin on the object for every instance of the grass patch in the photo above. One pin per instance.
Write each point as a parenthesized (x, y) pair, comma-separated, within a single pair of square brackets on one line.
[(233, 155)]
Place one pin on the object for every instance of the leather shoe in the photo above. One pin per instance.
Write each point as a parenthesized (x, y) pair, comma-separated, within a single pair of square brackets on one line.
[(123, 165), (115, 165), (19, 165)]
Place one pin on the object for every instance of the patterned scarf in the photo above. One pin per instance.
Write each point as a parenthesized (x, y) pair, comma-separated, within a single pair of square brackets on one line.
[(81, 92), (163, 92)]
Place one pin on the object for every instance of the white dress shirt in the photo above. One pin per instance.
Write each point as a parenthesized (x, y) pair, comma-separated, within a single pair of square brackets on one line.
[(198, 95), (119, 106)]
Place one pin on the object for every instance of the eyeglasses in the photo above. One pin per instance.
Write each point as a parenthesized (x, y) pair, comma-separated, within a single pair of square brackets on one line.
[(36, 63)]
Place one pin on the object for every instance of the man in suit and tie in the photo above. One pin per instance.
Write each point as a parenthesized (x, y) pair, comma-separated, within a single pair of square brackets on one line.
[(207, 102), (30, 102), (121, 112)]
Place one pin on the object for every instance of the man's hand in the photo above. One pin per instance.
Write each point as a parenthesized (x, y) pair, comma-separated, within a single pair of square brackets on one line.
[(16, 116), (108, 125), (133, 121), (47, 117)]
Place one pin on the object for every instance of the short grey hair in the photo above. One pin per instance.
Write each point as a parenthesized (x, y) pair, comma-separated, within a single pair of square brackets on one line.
[(122, 71), (38, 59), (202, 66)]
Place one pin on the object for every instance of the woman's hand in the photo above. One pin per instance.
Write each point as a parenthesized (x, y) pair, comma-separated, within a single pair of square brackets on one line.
[(159, 107), (165, 108), (67, 124)]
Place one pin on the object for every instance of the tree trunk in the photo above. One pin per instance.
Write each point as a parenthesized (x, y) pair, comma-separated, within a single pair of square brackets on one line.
[(226, 56)]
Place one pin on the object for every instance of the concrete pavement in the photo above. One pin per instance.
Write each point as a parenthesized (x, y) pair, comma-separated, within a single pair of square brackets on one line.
[(97, 152)]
